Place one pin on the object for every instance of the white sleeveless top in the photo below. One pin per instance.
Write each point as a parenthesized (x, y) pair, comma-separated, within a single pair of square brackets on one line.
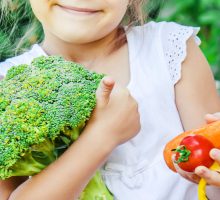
[(136, 170)]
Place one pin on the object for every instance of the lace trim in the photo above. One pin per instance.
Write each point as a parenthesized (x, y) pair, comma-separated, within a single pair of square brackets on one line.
[(175, 49)]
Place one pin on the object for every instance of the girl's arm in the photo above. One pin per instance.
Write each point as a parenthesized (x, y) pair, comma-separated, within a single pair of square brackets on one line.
[(196, 95), (66, 177), (7, 186), (212, 117)]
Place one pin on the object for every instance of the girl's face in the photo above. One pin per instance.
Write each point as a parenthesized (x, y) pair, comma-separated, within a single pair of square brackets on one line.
[(79, 21)]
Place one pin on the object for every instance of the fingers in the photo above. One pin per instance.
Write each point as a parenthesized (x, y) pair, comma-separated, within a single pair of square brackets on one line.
[(104, 90), (190, 176), (215, 155), (212, 117), (211, 177)]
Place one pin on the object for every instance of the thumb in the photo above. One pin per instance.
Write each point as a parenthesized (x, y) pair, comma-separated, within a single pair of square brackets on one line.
[(212, 117), (104, 90)]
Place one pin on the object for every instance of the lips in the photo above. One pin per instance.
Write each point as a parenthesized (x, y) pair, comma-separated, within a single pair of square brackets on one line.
[(79, 10)]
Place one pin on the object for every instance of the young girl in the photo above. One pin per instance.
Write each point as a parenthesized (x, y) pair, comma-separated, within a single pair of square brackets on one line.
[(165, 72)]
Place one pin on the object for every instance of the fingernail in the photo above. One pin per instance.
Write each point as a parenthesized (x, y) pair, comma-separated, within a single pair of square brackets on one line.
[(214, 153), (201, 171)]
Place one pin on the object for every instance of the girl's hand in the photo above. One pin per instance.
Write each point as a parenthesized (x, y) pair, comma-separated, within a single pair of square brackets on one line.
[(190, 176), (211, 177), (212, 117), (116, 116), (114, 121)]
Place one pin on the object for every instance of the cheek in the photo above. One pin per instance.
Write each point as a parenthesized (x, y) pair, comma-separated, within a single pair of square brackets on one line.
[(114, 14), (41, 9), (118, 8)]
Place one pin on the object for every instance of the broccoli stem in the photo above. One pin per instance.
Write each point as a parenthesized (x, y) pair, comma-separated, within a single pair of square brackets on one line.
[(96, 189), (26, 167), (38, 158)]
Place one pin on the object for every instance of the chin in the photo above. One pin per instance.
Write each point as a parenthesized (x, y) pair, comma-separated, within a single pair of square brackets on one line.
[(80, 37)]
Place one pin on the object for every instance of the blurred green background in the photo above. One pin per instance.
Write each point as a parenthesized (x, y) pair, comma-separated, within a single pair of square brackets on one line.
[(200, 13)]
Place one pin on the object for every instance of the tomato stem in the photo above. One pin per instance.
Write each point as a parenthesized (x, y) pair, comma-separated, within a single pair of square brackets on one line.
[(183, 154)]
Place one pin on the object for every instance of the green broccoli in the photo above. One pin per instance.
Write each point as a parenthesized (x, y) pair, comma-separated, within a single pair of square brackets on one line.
[(43, 108)]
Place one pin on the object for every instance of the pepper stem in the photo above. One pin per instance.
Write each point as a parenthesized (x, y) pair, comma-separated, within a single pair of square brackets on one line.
[(183, 154)]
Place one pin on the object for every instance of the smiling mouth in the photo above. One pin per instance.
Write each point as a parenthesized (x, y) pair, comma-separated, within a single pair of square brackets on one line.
[(77, 10)]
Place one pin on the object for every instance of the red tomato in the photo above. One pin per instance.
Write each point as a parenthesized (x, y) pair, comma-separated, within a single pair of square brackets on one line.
[(193, 152)]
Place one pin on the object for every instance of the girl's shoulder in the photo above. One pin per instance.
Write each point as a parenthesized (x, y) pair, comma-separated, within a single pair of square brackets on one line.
[(168, 39), (166, 30), (24, 58)]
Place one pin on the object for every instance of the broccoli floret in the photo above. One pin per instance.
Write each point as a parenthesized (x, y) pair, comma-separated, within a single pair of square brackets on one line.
[(43, 108)]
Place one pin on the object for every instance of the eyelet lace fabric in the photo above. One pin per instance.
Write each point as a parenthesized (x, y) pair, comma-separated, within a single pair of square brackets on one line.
[(174, 38)]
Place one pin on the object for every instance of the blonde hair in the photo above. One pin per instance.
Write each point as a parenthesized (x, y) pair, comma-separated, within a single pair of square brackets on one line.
[(19, 28), (135, 14)]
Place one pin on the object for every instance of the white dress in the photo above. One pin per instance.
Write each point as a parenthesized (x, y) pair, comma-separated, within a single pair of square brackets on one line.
[(136, 170)]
